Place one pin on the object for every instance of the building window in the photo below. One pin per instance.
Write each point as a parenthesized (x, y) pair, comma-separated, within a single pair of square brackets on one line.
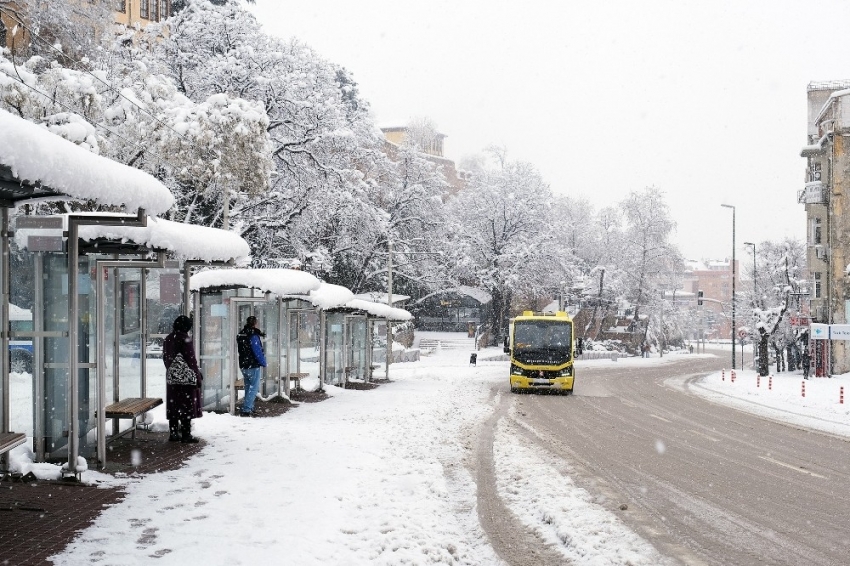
[(163, 9), (144, 9), (3, 38), (121, 6), (817, 286), (816, 231), (815, 172)]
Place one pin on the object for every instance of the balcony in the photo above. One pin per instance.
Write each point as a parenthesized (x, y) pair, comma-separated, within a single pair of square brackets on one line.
[(813, 193)]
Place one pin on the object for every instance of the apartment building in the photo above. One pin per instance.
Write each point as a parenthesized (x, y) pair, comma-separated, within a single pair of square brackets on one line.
[(825, 197), (141, 12), (714, 279), (395, 136), (127, 12)]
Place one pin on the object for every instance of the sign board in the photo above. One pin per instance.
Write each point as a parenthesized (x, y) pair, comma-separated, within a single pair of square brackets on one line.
[(813, 193), (839, 331), (819, 331), (742, 333)]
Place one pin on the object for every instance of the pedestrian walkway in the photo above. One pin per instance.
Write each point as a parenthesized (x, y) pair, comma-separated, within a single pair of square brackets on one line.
[(40, 518)]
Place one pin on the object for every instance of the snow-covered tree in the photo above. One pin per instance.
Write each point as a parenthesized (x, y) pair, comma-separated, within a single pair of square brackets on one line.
[(646, 246), (323, 142), (780, 267), (499, 234)]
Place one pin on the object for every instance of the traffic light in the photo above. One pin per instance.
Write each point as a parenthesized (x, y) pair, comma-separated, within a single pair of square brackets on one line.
[(699, 298)]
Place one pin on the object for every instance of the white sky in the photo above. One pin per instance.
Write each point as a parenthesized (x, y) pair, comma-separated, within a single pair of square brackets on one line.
[(380, 477), (706, 101)]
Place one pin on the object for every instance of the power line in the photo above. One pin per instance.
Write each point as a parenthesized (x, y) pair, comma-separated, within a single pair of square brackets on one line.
[(144, 149)]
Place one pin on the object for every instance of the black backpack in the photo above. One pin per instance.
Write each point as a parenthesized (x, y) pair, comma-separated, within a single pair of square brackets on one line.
[(246, 354)]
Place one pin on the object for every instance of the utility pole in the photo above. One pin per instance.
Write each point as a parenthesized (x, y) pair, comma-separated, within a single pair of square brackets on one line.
[(389, 304)]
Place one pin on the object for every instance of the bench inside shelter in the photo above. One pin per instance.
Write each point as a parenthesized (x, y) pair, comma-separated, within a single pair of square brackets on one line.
[(131, 408), (9, 440), (296, 378)]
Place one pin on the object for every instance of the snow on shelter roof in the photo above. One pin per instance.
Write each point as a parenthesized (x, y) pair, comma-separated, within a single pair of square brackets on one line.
[(282, 282), (184, 241), (379, 310), (39, 157)]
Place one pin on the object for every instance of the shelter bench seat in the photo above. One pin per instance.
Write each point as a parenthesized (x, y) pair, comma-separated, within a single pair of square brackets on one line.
[(131, 408), (9, 440), (297, 377)]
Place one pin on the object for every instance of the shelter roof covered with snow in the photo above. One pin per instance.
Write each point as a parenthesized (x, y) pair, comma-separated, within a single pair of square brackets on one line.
[(35, 163), (184, 241), (281, 282)]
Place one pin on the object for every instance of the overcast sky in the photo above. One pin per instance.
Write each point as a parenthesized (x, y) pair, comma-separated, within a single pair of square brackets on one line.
[(706, 101)]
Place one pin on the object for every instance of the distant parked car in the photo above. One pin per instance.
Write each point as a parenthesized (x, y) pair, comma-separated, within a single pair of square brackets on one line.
[(20, 350)]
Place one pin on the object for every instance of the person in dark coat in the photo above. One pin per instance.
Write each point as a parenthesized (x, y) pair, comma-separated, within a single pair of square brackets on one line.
[(806, 362), (182, 402)]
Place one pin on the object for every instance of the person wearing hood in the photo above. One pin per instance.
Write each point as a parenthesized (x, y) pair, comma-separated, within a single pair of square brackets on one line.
[(183, 381)]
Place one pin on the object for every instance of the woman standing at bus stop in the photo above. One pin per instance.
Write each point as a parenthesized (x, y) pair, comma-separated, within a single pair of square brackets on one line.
[(183, 381)]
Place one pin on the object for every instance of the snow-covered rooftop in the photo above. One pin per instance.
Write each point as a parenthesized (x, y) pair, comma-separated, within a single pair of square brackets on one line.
[(282, 282), (38, 156), (479, 295)]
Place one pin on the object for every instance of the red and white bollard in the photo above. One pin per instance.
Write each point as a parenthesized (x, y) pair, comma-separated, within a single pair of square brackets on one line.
[(758, 381), (841, 395), (723, 375), (770, 382), (732, 375), (804, 389)]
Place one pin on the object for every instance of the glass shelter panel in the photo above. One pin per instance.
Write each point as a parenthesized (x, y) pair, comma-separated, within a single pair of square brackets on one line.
[(357, 342), (303, 331), (334, 348), (214, 344), (268, 314), (164, 300), (127, 294), (22, 343)]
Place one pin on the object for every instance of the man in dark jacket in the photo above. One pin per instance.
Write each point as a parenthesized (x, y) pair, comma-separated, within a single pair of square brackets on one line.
[(251, 359)]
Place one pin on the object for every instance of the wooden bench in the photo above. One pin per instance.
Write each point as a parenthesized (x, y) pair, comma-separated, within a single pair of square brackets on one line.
[(297, 377), (131, 408), (9, 440)]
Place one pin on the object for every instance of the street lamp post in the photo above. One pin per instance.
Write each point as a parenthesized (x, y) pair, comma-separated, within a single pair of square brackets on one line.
[(756, 303), (733, 283)]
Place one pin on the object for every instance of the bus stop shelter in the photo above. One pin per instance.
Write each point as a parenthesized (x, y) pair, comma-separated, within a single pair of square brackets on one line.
[(313, 330), (84, 277)]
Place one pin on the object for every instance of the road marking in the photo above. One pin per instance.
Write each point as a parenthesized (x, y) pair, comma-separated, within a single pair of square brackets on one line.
[(628, 403), (792, 467), (711, 438), (660, 418)]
